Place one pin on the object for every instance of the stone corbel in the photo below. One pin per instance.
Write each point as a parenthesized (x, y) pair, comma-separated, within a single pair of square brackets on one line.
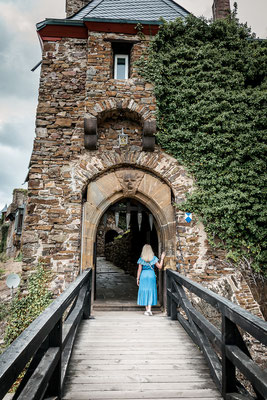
[(90, 133), (149, 131)]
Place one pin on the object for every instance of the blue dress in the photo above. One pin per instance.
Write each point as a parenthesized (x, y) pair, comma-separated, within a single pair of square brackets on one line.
[(147, 293)]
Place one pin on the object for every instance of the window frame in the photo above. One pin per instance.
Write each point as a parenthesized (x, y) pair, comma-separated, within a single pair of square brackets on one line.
[(126, 57), (19, 219)]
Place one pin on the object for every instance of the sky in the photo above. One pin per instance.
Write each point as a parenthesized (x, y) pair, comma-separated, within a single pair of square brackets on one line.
[(20, 51)]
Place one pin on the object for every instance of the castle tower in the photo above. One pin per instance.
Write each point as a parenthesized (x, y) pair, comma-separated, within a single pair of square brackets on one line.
[(95, 134), (94, 153)]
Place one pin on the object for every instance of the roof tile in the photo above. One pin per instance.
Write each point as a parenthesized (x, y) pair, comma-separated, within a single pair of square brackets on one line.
[(143, 10)]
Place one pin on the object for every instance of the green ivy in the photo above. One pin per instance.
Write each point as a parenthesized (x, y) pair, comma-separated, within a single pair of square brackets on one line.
[(4, 232), (24, 309), (210, 86)]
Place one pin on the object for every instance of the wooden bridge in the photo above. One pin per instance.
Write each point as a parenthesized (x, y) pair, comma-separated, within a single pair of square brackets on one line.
[(126, 355)]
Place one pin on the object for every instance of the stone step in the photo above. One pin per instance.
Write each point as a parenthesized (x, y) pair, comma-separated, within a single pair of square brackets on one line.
[(121, 306)]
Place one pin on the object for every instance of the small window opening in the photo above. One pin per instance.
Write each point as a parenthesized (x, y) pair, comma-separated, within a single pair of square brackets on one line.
[(121, 66), (121, 60), (19, 220)]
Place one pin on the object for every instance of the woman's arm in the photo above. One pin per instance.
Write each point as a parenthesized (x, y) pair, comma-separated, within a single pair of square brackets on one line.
[(160, 264), (138, 274)]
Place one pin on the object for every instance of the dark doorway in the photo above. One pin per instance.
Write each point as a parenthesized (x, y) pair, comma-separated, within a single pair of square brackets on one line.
[(110, 236), (117, 267)]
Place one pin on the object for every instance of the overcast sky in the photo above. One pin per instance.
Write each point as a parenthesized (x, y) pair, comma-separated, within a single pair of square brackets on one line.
[(20, 51)]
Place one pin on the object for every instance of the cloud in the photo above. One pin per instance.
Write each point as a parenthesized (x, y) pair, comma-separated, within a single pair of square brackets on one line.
[(19, 52), (13, 171), (16, 138), (16, 135)]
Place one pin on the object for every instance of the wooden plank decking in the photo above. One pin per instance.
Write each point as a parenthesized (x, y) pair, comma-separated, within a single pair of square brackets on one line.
[(127, 355)]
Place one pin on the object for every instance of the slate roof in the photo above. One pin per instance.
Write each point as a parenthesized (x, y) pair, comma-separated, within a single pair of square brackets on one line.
[(136, 10), (4, 209)]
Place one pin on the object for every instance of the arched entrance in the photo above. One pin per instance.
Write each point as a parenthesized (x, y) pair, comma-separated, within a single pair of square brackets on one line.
[(116, 266), (144, 188)]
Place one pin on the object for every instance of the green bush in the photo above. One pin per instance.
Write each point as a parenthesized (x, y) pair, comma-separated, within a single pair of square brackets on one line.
[(4, 231), (19, 257), (24, 310), (210, 86), (4, 311)]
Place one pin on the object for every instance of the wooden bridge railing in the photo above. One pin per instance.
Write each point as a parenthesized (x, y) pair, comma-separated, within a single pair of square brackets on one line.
[(47, 344), (225, 350)]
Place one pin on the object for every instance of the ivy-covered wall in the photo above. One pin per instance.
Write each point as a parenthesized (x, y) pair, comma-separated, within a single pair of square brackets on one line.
[(210, 84)]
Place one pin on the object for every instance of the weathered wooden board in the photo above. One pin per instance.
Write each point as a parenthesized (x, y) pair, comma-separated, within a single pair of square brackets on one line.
[(126, 355), (170, 378), (155, 394)]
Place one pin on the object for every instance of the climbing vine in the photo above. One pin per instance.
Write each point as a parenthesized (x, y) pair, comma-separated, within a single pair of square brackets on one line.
[(210, 85), (4, 231), (24, 309)]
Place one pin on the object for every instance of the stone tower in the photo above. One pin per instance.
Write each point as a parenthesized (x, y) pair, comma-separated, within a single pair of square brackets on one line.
[(95, 143)]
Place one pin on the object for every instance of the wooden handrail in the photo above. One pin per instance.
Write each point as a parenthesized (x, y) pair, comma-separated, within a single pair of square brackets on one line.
[(47, 343), (224, 350)]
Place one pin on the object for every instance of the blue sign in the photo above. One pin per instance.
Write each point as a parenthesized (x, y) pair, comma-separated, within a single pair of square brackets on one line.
[(188, 217)]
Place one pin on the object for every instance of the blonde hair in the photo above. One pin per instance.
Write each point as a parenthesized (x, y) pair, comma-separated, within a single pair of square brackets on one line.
[(147, 253)]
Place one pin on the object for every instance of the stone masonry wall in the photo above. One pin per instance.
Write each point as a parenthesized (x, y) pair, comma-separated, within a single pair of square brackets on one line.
[(100, 83), (103, 228), (52, 226)]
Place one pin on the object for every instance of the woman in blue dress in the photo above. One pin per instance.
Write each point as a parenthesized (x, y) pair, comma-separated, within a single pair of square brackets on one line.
[(146, 278)]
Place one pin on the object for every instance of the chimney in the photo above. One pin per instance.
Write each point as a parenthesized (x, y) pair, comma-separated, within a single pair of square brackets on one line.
[(73, 6), (220, 9)]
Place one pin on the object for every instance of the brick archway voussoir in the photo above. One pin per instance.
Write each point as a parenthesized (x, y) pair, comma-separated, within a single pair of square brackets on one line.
[(102, 107)]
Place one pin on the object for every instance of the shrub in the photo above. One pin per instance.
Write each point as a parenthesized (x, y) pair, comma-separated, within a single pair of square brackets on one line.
[(24, 310)]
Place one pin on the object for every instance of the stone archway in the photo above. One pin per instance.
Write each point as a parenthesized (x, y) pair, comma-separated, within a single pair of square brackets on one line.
[(105, 107), (133, 183)]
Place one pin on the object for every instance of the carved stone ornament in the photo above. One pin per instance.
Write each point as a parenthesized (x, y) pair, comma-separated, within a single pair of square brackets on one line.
[(130, 181)]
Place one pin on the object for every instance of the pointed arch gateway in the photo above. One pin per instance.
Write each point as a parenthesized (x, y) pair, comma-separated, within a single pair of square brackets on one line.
[(140, 185)]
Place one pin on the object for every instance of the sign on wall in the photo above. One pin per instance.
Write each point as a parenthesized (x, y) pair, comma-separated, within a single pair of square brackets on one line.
[(188, 217)]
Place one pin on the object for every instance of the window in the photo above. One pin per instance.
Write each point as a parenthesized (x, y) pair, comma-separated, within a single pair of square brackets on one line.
[(19, 220), (121, 66), (122, 54)]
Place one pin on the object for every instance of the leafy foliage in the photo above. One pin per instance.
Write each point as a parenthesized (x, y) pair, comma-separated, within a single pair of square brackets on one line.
[(210, 85), (24, 310), (4, 232)]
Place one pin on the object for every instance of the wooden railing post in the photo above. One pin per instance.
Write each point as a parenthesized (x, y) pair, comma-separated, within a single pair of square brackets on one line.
[(168, 284), (228, 368), (55, 340), (87, 303), (173, 305)]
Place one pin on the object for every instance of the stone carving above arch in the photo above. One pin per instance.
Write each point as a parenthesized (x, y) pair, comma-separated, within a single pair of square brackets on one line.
[(160, 164), (130, 181)]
